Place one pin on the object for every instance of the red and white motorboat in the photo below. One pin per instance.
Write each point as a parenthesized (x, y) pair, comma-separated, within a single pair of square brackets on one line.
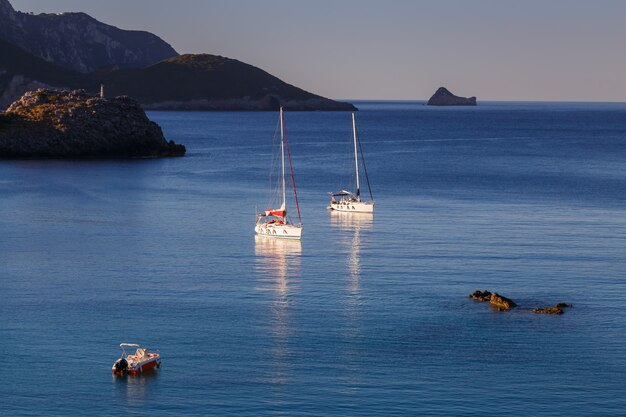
[(142, 360)]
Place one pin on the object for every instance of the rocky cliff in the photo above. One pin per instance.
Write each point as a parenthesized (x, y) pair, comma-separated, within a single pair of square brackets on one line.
[(80, 42), (73, 124), (443, 97)]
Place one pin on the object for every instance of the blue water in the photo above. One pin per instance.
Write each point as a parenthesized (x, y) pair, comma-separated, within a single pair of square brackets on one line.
[(368, 315)]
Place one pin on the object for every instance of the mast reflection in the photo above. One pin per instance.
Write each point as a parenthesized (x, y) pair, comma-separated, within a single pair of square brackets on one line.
[(352, 231)]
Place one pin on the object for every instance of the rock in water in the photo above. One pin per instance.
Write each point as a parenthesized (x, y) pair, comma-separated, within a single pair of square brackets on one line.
[(481, 296), (501, 303), (443, 97), (495, 299), (73, 124), (557, 309)]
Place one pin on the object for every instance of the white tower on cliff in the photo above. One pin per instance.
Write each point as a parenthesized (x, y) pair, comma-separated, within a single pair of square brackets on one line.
[(101, 90)]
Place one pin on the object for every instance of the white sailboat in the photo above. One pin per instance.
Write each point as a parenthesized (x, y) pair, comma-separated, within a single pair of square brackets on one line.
[(273, 222), (351, 201)]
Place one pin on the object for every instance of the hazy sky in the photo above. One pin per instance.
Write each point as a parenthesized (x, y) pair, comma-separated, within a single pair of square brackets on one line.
[(397, 49)]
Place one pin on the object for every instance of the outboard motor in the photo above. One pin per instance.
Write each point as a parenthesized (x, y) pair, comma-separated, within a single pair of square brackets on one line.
[(121, 365)]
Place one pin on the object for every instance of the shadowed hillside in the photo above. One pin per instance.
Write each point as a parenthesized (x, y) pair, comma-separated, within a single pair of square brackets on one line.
[(79, 42), (212, 82), (75, 51)]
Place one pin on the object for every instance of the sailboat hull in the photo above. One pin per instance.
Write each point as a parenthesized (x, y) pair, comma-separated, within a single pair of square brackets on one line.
[(279, 231), (352, 206)]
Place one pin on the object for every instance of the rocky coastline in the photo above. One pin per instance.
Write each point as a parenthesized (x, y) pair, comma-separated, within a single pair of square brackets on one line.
[(54, 124)]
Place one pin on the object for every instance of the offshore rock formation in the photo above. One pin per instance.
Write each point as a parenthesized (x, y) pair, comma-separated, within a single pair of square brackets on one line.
[(497, 301), (73, 124), (443, 97), (80, 42), (502, 303), (480, 296), (557, 309)]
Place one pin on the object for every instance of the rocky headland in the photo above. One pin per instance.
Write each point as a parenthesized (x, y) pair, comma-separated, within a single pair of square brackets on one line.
[(443, 97), (73, 125)]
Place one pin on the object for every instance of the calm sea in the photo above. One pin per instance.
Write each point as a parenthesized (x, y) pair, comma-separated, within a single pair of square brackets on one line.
[(368, 315)]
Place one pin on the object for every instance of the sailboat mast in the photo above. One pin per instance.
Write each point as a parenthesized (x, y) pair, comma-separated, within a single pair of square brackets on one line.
[(356, 161), (282, 151)]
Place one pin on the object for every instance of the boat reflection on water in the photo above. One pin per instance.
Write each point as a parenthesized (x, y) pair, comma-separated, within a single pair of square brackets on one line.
[(278, 264), (133, 390), (350, 227), (352, 230), (278, 261)]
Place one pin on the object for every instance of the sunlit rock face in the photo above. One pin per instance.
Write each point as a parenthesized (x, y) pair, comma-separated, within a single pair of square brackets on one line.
[(74, 124)]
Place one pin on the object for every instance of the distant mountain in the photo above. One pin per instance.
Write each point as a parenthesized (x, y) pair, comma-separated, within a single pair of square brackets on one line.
[(79, 42), (211, 82), (21, 71), (74, 51)]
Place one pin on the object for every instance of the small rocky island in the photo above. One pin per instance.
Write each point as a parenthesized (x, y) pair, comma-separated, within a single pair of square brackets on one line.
[(443, 97), (73, 124)]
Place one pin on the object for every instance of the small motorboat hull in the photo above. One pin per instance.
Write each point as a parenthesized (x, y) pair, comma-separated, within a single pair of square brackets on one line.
[(141, 361), (135, 368)]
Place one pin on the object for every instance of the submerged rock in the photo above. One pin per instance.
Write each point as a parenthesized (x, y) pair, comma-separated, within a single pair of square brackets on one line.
[(443, 97), (557, 309), (496, 300), (73, 124)]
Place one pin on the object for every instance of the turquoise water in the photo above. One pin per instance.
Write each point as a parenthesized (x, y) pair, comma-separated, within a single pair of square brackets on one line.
[(368, 315)]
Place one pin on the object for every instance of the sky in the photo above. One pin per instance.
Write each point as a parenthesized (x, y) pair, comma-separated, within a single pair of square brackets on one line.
[(561, 50)]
